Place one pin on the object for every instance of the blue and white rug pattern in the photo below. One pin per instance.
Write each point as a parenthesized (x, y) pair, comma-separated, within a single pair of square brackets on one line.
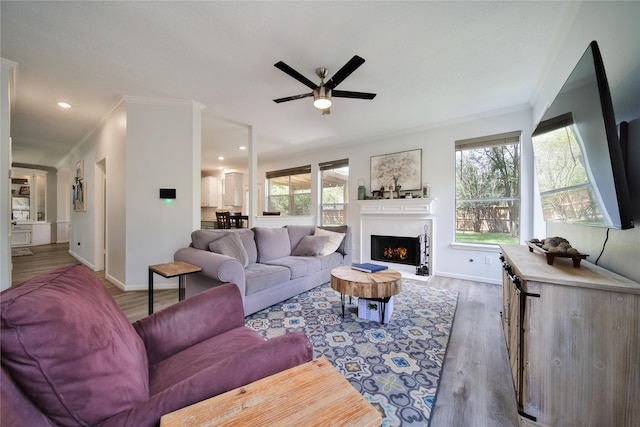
[(397, 365)]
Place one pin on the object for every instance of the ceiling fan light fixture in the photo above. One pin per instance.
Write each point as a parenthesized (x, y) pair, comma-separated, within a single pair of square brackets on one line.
[(322, 98)]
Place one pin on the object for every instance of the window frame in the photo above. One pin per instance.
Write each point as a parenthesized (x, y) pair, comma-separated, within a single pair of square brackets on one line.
[(512, 203), (329, 166), (291, 196)]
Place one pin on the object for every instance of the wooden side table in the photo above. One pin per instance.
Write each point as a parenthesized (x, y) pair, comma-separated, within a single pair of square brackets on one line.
[(171, 269), (312, 394), (378, 286)]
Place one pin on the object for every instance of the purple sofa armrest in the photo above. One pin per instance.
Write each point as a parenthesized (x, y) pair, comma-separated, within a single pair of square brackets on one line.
[(16, 409), (276, 355), (191, 321), (219, 267)]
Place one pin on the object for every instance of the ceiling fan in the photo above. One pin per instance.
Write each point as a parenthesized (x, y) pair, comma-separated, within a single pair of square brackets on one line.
[(322, 93)]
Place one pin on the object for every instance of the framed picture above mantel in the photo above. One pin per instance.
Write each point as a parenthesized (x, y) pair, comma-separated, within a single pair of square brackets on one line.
[(402, 169)]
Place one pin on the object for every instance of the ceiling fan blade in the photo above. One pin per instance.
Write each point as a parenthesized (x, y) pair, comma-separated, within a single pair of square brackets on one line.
[(349, 94), (292, 98), (345, 71), (296, 75)]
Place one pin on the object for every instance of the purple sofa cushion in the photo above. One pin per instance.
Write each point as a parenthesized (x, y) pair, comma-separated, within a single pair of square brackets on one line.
[(272, 243), (199, 357), (70, 348)]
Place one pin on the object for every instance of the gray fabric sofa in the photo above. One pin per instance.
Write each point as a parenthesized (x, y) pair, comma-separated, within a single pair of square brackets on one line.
[(269, 265)]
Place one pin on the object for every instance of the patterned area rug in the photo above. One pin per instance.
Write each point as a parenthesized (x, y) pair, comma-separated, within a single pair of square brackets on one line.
[(396, 366), (21, 252)]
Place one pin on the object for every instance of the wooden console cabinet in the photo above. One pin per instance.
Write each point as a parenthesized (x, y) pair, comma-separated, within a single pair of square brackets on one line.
[(573, 337)]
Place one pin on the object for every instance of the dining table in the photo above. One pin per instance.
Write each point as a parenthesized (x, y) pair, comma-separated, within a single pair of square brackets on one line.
[(237, 219)]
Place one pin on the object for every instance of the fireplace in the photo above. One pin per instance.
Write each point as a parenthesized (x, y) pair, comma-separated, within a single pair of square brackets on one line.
[(397, 249)]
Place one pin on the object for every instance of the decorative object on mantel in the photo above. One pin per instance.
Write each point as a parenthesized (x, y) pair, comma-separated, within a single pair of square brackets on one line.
[(556, 247), (362, 191), (397, 170)]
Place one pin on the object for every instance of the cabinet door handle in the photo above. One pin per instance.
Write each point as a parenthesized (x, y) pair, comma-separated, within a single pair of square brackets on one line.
[(519, 290)]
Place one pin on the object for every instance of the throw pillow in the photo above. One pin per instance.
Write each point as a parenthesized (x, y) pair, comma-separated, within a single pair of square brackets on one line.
[(231, 245), (71, 349), (333, 243), (310, 246), (272, 243)]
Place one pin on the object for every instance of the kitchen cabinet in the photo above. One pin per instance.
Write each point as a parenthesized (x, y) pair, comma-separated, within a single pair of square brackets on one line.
[(28, 195), (233, 189), (20, 235), (30, 234), (210, 192), (573, 338)]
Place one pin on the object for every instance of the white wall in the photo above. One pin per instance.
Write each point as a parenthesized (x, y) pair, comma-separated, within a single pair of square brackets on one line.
[(617, 32), (438, 169), (146, 144), (163, 151)]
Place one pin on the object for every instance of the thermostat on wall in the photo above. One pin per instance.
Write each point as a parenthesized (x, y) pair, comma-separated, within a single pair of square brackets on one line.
[(167, 193)]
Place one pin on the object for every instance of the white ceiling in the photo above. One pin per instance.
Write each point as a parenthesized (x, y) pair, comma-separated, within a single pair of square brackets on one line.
[(429, 62)]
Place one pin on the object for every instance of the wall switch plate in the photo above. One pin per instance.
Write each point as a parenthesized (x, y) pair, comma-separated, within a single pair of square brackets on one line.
[(488, 260)]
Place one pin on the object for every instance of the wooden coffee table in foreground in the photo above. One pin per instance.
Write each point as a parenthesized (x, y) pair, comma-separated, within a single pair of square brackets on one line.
[(378, 286), (311, 394)]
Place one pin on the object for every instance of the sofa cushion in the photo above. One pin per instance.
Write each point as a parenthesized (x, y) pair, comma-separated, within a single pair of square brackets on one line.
[(331, 261), (297, 232), (201, 356), (263, 276), (343, 249), (272, 243), (71, 349), (310, 246), (298, 265), (249, 242), (232, 246), (200, 239), (335, 239)]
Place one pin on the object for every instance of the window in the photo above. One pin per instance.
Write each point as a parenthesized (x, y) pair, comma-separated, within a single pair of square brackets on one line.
[(289, 191), (564, 178), (334, 178), (488, 189)]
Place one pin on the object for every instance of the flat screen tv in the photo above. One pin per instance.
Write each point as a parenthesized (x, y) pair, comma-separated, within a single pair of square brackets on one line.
[(578, 158)]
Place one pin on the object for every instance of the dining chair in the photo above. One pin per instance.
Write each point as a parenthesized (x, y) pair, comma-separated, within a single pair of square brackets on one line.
[(223, 219)]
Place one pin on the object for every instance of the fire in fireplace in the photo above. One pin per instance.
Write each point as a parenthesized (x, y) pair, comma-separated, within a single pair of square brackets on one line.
[(398, 249)]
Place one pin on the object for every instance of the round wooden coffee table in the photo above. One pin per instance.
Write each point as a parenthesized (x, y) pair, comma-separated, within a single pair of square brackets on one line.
[(380, 286)]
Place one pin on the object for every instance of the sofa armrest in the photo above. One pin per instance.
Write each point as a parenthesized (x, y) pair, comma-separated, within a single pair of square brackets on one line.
[(275, 355), (222, 268), (191, 321)]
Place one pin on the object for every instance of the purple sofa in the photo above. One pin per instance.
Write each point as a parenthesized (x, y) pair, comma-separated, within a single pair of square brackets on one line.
[(269, 265), (70, 357)]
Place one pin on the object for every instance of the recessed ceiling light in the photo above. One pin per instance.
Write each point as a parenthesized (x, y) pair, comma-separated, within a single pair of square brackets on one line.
[(64, 105), (220, 157), (241, 147)]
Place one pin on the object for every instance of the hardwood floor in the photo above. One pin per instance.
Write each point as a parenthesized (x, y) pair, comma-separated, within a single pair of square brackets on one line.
[(476, 389)]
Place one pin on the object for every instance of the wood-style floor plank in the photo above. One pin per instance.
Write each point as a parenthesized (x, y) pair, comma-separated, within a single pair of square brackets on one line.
[(476, 389)]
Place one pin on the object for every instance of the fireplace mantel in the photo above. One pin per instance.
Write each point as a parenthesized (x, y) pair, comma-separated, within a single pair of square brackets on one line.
[(395, 206)]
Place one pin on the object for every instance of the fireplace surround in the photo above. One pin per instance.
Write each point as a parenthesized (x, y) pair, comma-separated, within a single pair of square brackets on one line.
[(407, 218)]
